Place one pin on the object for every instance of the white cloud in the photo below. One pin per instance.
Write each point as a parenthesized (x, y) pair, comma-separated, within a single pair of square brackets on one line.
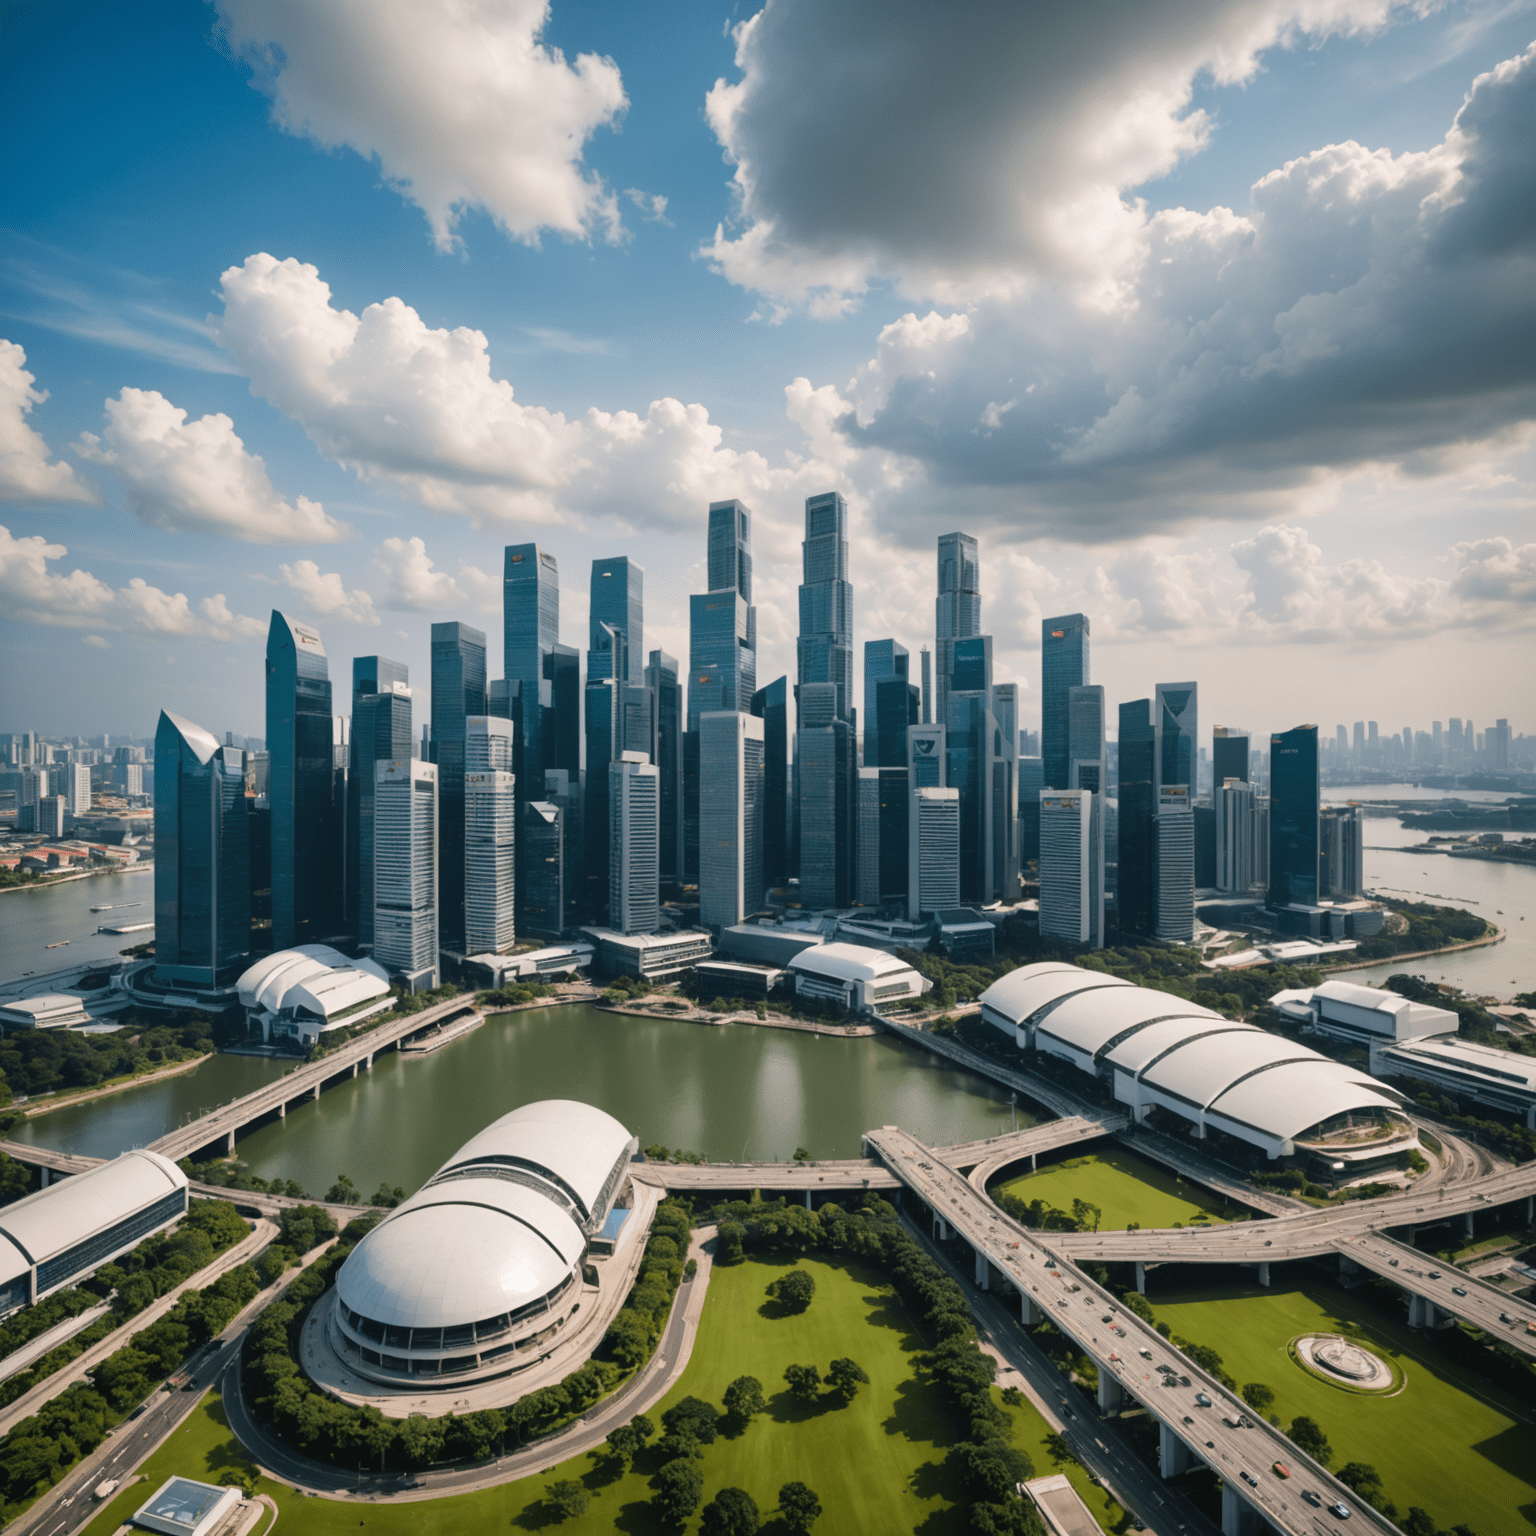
[(652, 205), (196, 475), (25, 471), (412, 583), (459, 102), (96, 642), (33, 594), (325, 596)]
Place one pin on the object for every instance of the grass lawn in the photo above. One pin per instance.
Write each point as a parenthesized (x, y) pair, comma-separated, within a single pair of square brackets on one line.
[(1449, 1442), (876, 1464), (1124, 1186), (1030, 1432)]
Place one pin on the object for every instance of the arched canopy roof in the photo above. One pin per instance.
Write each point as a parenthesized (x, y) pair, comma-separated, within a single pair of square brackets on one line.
[(1138, 1050), (55, 1219), (848, 962), (1201, 1070), (1285, 1100), (1091, 1020), (1023, 993), (315, 977)]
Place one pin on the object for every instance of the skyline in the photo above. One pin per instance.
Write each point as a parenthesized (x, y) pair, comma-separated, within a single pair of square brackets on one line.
[(1341, 569)]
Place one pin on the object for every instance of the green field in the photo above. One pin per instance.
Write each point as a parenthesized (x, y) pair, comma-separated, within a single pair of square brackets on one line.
[(1124, 1186), (1449, 1442), (875, 1464)]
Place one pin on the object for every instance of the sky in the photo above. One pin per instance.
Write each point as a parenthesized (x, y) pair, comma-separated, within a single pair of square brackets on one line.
[(1214, 321)]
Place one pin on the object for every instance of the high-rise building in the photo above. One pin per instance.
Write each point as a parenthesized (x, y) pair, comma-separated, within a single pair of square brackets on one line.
[(1176, 715), (1085, 738), (883, 659), (729, 562), (1064, 665), (634, 830), (541, 870), (1294, 803), (1031, 781), (531, 628), (971, 666), (1498, 747), (1071, 867), (1341, 851), (665, 684), (885, 731), (771, 705), (1005, 705), (934, 873), (458, 691), (866, 875), (381, 729), (617, 608), (1229, 755), (1174, 893), (969, 739), (307, 868), (825, 645), (560, 709), (956, 609), (77, 789), (202, 857), (490, 860), (731, 793), (405, 870), (826, 805), (1236, 837)]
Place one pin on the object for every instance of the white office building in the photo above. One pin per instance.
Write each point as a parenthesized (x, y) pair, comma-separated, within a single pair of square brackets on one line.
[(731, 794), (77, 789), (1237, 823), (933, 851), (487, 744), (405, 870), (490, 830), (1174, 895), (634, 844), (1072, 866)]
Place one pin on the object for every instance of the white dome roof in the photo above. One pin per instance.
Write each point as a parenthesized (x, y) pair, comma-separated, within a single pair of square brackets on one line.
[(312, 976)]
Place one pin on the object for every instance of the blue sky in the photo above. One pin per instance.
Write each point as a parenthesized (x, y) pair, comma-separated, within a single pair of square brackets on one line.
[(1204, 318)]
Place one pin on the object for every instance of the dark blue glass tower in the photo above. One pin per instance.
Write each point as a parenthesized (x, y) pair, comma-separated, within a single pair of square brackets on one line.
[(458, 690), (882, 659), (202, 857), (1063, 667), (1134, 909), (825, 646), (617, 606), (1178, 726), (661, 677), (531, 631), (381, 732), (307, 869), (896, 706), (772, 704), (1295, 798)]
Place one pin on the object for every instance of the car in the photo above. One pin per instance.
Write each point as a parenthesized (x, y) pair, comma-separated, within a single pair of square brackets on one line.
[(1210, 1445), (412, 1482), (1062, 1302), (1183, 1381), (1245, 1421), (1341, 1511), (1280, 1469), (1504, 1317), (1146, 1354), (1434, 1274), (1312, 1497), (1106, 1318), (1458, 1290), (1118, 1329), (1392, 1262), (1202, 1399), (142, 1408), (1249, 1478)]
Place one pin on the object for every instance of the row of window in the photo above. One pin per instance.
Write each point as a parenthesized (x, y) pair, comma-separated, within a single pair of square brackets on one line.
[(98, 1248), (457, 1337)]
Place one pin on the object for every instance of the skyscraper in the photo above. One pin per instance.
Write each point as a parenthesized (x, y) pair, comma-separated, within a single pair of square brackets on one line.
[(729, 563), (531, 626), (1341, 851), (634, 827), (1071, 868), (1294, 802), (882, 659), (490, 860), (957, 608), (927, 685), (969, 734), (934, 872), (1236, 837), (866, 875), (771, 704), (1229, 755), (381, 729), (1177, 720), (202, 857), (1085, 738), (541, 869), (560, 710), (826, 798), (1064, 665), (405, 869), (1135, 890), (665, 684), (458, 691), (885, 731), (1174, 896), (1030, 782), (825, 646), (617, 607), (307, 871), (731, 796)]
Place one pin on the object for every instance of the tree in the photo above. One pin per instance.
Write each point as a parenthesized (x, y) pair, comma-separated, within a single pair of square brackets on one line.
[(342, 1192), (801, 1155), (845, 1376), (1057, 1448), (239, 1477), (569, 1497), (1420, 1522), (628, 1439), (730, 1246), (692, 1416), (990, 1468), (1006, 1517), (1259, 1397), (679, 1486), (732, 1512), (794, 1290), (1308, 1435), (803, 1380), (799, 1508), (744, 1398)]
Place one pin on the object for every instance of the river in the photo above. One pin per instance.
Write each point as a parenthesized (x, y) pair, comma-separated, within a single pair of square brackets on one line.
[(733, 1092), (33, 917)]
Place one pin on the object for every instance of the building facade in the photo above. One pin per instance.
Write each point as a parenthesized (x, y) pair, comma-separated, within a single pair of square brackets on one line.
[(405, 868), (1064, 665), (731, 797), (1071, 867), (381, 729), (458, 692), (634, 833), (1295, 797), (531, 631), (956, 612)]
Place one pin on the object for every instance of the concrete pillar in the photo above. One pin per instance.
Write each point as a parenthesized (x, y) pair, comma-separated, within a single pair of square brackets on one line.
[(941, 1228), (1264, 1273), (1029, 1313), (1237, 1515), (983, 1270), (47, 1174), (315, 1093), (229, 1145), (1173, 1456), (1032, 1164), (1141, 1277), (1467, 1221), (282, 1111), (1111, 1393), (1530, 1200), (1421, 1312), (1347, 1266), (354, 1069), (807, 1199)]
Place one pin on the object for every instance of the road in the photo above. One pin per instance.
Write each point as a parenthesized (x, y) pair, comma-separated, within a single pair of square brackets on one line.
[(1133, 1358), (837, 1174)]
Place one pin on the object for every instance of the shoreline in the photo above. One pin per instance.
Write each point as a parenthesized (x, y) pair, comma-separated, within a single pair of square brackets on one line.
[(60, 1098), (78, 874), (1496, 937)]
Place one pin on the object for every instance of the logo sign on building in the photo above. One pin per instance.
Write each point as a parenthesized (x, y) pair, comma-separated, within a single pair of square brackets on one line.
[(926, 744)]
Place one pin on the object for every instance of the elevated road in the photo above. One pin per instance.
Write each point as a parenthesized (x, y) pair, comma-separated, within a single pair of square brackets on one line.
[(1050, 1137), (1133, 1359), (1200, 1169), (850, 1173)]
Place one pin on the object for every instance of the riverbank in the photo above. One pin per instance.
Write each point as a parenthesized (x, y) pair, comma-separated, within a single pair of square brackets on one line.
[(61, 1098), (703, 1016), (1496, 937), (47, 882)]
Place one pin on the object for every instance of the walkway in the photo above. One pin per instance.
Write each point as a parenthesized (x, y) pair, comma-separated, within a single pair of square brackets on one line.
[(30, 1353)]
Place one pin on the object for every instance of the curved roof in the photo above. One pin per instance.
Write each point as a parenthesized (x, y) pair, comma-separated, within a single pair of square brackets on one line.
[(1091, 1020), (847, 962), (1201, 1071), (1024, 992), (1137, 1051), (312, 976), (1286, 1100), (56, 1218)]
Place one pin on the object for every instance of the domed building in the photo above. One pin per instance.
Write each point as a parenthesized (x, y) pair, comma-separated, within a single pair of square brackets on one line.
[(479, 1271)]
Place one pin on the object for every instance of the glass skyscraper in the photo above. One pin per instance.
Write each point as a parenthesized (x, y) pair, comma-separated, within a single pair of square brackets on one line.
[(772, 705), (896, 707), (883, 660), (202, 857), (665, 684), (730, 548), (405, 934), (531, 630), (306, 846), (1294, 809), (458, 691), (1137, 861), (617, 607), (1229, 756), (957, 609), (381, 729), (731, 784), (968, 741), (1178, 732), (825, 646), (634, 904), (1064, 665), (825, 798)]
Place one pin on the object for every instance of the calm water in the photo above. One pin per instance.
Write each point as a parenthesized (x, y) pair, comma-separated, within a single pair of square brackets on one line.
[(1503, 893), (31, 919), (732, 1092)]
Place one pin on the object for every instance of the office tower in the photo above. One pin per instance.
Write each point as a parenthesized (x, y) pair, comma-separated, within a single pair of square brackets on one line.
[(1260, 843), (665, 684), (927, 684), (866, 879), (1177, 719), (560, 710), (884, 660), (968, 734), (1031, 781), (1236, 837), (933, 882), (458, 691), (490, 860), (501, 698), (531, 630), (1064, 665), (731, 793), (1341, 744), (956, 609), (1085, 738), (541, 904), (1358, 754), (604, 718), (1229, 755), (381, 729), (1071, 867), (405, 870), (488, 744), (729, 563), (825, 645), (1294, 802), (1341, 851), (825, 789), (202, 857), (307, 871), (50, 815), (1174, 892), (771, 705), (1135, 903), (971, 666), (77, 792), (1005, 705), (617, 606), (1205, 845), (885, 727), (341, 758), (1498, 747), (1372, 741), (634, 829), (1029, 743)]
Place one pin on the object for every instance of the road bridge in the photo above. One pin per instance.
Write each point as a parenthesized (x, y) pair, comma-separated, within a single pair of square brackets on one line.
[(1132, 1358), (1018, 1145), (795, 1178)]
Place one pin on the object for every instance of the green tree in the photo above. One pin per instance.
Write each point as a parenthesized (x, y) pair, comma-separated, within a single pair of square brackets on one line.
[(692, 1416), (239, 1477), (990, 1468), (794, 1290), (732, 1512), (342, 1192), (1057, 1448), (569, 1497), (743, 1398), (1006, 1517), (1420, 1522), (799, 1508), (730, 1249), (628, 1439), (845, 1377), (679, 1486), (803, 1380), (1259, 1397), (1308, 1436)]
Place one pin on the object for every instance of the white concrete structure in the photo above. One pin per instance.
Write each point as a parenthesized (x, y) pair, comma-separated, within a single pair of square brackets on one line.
[(405, 870), (182, 1507), (1237, 831), (634, 844), (298, 994), (1072, 866), (648, 954), (731, 791), (62, 1233), (1173, 898), (1497, 1078), (861, 979), (490, 866), (477, 1273), (1349, 1011), (933, 848)]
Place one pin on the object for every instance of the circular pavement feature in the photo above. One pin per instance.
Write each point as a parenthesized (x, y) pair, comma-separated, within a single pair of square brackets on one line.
[(1332, 1356)]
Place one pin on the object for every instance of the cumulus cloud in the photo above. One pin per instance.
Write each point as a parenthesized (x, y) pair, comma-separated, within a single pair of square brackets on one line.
[(32, 593), (415, 585), (325, 596), (458, 101), (26, 473), (197, 475)]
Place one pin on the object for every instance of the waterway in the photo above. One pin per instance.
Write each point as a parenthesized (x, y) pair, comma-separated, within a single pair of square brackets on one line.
[(1503, 893), (732, 1092), (33, 917)]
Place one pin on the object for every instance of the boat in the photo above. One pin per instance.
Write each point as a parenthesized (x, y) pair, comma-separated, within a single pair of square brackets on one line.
[(117, 907), (58, 945)]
